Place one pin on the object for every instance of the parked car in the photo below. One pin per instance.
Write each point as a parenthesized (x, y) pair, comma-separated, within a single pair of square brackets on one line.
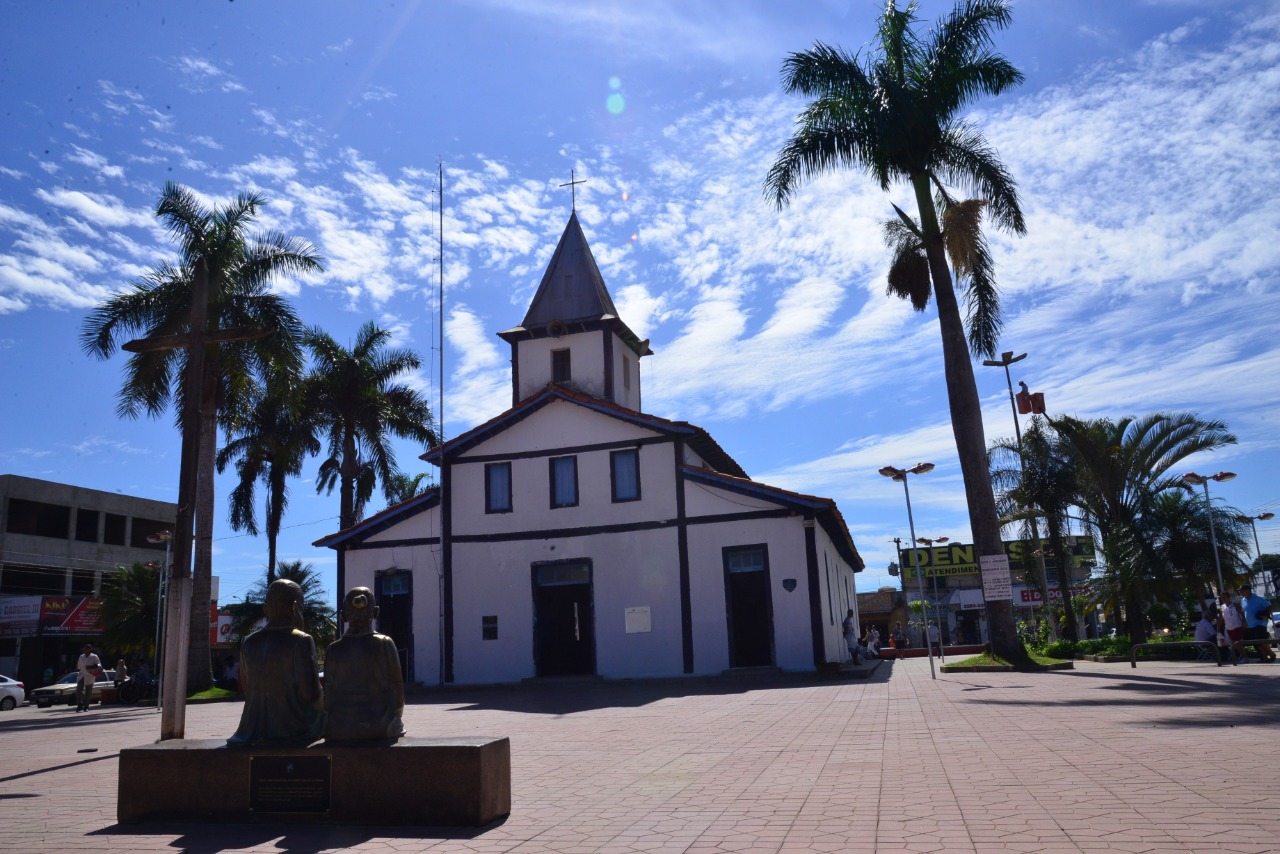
[(12, 693), (63, 692)]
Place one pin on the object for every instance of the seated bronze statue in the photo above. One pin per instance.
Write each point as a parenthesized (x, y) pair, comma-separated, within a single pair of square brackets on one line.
[(364, 689), (283, 700)]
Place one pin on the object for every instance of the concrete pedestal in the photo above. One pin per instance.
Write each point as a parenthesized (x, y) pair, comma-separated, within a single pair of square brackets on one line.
[(455, 782)]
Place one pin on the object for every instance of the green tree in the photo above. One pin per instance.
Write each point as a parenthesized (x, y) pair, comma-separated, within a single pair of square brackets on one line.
[(240, 269), (1180, 564), (896, 116), (1039, 479), (1123, 465), (319, 617), (358, 406), (269, 444), (403, 487), (130, 598)]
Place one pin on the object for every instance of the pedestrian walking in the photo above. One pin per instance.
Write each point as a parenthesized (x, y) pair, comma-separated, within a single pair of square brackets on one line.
[(88, 665), (851, 637), (935, 638)]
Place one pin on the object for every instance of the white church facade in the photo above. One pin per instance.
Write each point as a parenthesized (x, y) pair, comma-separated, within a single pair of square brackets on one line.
[(574, 534)]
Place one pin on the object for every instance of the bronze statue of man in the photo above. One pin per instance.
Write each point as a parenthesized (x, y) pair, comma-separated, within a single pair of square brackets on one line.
[(283, 700), (364, 689)]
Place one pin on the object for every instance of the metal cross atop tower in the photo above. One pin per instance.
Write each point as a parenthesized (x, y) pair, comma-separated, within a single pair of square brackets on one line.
[(572, 184)]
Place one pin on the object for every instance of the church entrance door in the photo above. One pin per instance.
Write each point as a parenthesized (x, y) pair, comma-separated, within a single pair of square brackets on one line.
[(395, 614), (564, 641), (746, 572)]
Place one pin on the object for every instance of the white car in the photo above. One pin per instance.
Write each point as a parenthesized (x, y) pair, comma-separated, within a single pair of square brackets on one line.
[(12, 693)]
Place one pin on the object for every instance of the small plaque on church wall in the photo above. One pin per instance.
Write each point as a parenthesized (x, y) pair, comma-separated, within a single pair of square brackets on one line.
[(637, 620), (290, 784)]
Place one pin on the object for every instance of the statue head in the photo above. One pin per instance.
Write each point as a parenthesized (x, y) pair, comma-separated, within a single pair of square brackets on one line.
[(284, 603), (359, 609)]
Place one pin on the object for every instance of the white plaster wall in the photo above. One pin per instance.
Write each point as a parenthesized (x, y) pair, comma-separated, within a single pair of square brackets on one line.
[(586, 362), (418, 526), (628, 570), (559, 424), (701, 499), (424, 562), (784, 539), (531, 488)]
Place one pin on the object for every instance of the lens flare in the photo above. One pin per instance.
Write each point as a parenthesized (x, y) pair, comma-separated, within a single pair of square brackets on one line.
[(615, 103)]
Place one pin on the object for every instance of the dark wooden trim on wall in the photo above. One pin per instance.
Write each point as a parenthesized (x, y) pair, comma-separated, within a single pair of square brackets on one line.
[(446, 561), (621, 528), (606, 336), (563, 452), (682, 545), (394, 544), (815, 591), (342, 578)]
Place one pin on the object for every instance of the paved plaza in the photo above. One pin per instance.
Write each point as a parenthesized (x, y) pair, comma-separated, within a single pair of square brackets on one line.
[(1171, 757)]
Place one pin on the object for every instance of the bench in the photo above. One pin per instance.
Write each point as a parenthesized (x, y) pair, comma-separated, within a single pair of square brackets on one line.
[(1207, 650)]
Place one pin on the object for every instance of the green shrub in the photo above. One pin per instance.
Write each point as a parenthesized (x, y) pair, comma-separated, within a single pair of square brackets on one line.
[(1064, 649), (1105, 646)]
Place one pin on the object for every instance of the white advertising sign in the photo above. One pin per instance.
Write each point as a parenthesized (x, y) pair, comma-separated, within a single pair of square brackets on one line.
[(996, 584)]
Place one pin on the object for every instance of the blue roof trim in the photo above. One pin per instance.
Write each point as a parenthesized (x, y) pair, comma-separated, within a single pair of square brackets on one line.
[(383, 520)]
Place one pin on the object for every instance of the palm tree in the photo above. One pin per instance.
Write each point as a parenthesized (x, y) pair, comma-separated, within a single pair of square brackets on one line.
[(1038, 479), (271, 442), (403, 487), (356, 402), (896, 117), (1181, 562), (1123, 466), (130, 598), (240, 268), (317, 614)]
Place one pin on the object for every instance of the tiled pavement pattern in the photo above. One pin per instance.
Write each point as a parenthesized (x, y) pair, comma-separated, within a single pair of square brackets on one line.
[(1166, 758)]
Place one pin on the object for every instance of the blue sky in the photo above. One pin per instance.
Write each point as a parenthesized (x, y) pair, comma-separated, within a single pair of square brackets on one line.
[(1144, 142)]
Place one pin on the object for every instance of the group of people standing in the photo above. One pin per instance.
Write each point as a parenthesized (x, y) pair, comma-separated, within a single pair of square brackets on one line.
[(1235, 625)]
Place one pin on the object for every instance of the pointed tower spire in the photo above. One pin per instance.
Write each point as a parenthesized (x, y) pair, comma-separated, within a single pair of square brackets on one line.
[(572, 334)]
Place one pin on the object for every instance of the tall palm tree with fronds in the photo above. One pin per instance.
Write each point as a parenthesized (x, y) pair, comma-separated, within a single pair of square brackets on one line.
[(896, 116), (1039, 479), (269, 444), (1124, 465), (240, 267), (359, 406), (1181, 560)]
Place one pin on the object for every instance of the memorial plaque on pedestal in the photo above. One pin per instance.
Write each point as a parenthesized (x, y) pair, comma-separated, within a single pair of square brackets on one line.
[(290, 784)]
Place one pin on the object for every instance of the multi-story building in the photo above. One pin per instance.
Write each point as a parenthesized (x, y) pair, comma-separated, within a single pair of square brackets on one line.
[(56, 543)]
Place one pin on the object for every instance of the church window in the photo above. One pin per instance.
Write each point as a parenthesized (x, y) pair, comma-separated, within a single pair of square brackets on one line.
[(497, 488), (489, 627), (624, 468), (626, 372), (564, 482), (560, 369)]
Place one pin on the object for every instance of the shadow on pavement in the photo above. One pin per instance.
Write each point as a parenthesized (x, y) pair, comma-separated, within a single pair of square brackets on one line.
[(1245, 698), (293, 839)]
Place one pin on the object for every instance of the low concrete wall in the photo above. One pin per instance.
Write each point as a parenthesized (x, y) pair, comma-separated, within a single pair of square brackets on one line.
[(416, 781)]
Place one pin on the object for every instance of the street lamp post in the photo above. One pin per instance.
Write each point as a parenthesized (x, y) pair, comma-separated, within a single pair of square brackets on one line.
[(1257, 549), (165, 537), (901, 475), (933, 576), (1203, 480), (1006, 359)]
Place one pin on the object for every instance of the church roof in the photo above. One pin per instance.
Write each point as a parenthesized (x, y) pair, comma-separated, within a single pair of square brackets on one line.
[(382, 520), (572, 294), (824, 509), (697, 438)]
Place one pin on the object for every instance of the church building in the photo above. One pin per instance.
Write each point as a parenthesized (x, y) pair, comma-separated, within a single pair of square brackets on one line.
[(575, 534)]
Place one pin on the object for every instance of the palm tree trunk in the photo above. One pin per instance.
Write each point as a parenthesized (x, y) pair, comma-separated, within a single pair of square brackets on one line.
[(966, 421), (199, 669), (1064, 578), (275, 511)]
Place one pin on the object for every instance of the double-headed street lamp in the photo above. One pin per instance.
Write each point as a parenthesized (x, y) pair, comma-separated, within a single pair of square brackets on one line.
[(929, 541), (1203, 480), (1257, 550), (1006, 359), (901, 474)]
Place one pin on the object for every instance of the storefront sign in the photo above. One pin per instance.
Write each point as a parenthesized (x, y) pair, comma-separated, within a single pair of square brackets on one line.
[(69, 615), (1032, 596), (880, 602), (996, 584), (20, 617), (961, 558)]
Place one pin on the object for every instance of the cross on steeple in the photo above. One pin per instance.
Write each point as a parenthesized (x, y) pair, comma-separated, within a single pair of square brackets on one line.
[(573, 190)]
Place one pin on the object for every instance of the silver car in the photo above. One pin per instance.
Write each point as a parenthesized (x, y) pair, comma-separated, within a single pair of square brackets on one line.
[(63, 692), (12, 693)]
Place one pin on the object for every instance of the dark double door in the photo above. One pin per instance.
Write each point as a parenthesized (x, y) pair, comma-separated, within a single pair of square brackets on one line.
[(749, 605), (564, 641), (395, 615)]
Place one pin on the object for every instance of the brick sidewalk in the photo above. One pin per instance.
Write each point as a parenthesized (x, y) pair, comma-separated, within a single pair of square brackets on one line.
[(1167, 758)]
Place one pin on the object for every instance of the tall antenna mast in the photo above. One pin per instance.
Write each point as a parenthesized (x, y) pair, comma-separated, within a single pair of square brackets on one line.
[(440, 259)]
